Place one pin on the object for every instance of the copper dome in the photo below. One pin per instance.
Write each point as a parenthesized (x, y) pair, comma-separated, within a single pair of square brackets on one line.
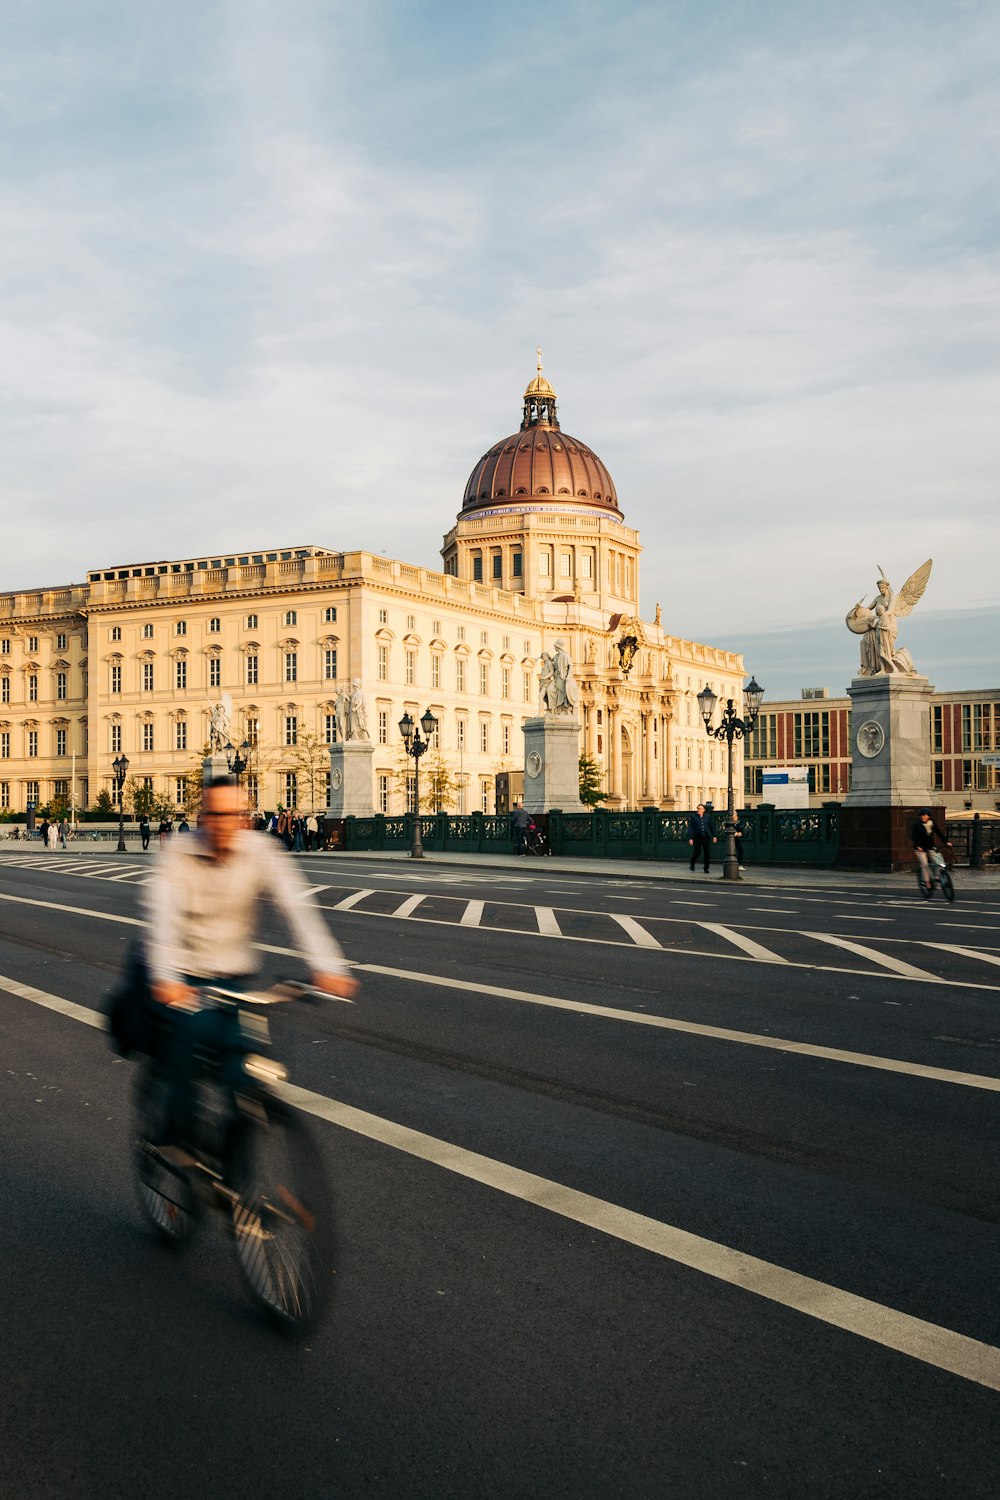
[(540, 462)]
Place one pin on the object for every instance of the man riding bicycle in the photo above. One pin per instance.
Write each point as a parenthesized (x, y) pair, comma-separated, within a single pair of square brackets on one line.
[(202, 908), (922, 835)]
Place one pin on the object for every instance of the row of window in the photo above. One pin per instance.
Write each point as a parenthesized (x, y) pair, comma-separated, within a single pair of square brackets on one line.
[(461, 674), (62, 644), (60, 688), (810, 735), (290, 617), (980, 726), (290, 671)]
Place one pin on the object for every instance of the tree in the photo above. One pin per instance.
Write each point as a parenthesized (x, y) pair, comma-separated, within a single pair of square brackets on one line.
[(591, 782), (104, 802), (139, 797), (438, 781), (309, 758)]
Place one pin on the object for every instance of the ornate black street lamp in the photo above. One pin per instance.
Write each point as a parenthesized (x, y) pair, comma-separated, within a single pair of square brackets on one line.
[(416, 746), (120, 767), (237, 759), (731, 727)]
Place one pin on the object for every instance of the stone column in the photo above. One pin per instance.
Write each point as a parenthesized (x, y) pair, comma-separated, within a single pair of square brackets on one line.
[(615, 737), (652, 791)]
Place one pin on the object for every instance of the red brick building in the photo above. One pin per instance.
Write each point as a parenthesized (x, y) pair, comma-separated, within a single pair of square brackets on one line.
[(815, 731)]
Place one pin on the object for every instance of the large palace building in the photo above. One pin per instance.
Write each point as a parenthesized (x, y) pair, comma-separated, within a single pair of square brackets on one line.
[(132, 660)]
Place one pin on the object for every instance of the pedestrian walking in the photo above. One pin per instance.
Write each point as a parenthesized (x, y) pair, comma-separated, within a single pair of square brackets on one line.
[(520, 821), (63, 831), (701, 835), (144, 831)]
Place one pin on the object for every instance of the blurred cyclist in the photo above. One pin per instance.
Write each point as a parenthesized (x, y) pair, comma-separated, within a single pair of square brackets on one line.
[(203, 911), (922, 835)]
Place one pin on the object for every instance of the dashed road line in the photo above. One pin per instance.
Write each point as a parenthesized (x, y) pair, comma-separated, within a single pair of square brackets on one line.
[(747, 945), (986, 958), (472, 916), (351, 901), (405, 908), (547, 924), (896, 965), (635, 930)]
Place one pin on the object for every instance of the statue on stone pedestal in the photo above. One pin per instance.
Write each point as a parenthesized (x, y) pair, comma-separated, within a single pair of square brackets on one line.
[(220, 723), (876, 623), (349, 711), (564, 683)]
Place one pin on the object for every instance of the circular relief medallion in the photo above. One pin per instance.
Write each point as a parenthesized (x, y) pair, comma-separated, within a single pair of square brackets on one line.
[(870, 738), (336, 780), (533, 764)]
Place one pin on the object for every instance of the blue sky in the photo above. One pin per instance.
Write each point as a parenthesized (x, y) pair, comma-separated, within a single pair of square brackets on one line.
[(275, 272)]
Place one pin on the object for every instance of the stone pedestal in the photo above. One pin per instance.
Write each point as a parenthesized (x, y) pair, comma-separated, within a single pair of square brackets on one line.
[(890, 771), (351, 779), (213, 766), (890, 742), (552, 764)]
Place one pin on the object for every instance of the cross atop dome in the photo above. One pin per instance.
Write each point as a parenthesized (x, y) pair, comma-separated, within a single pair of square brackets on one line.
[(539, 401)]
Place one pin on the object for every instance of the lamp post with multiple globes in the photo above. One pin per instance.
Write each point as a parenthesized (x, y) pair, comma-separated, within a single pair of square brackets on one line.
[(416, 746), (731, 727), (120, 767)]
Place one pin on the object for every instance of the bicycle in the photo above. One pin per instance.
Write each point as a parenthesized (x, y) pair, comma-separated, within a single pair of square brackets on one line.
[(937, 869), (261, 1169), (535, 841)]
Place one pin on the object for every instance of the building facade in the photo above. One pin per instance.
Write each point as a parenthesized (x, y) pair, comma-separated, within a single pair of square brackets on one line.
[(132, 660), (815, 732)]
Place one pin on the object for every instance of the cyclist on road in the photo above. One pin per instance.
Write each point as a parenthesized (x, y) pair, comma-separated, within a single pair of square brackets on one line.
[(203, 907), (923, 832)]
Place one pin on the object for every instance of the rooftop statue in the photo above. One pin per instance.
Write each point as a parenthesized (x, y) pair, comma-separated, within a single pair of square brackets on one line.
[(877, 625)]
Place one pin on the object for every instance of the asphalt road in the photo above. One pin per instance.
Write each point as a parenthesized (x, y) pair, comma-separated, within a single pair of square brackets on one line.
[(642, 1190)]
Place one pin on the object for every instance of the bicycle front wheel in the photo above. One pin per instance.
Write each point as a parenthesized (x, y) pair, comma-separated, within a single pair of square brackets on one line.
[(947, 885), (165, 1195), (282, 1220)]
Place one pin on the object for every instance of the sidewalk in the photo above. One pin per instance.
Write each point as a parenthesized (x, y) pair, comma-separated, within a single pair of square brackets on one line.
[(798, 877)]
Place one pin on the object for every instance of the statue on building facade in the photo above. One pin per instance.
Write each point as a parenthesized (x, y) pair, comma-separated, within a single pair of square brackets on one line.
[(877, 625)]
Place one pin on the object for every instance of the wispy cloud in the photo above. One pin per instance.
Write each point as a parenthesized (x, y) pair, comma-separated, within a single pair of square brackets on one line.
[(281, 271)]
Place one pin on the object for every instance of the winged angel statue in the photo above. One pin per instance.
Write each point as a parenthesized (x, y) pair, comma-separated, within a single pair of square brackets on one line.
[(876, 623)]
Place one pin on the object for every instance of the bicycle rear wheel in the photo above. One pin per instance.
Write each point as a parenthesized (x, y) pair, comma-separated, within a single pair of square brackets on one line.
[(947, 885), (282, 1220), (165, 1195)]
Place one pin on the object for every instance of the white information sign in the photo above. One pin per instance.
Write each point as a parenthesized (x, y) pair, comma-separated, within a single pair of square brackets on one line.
[(991, 758), (785, 786)]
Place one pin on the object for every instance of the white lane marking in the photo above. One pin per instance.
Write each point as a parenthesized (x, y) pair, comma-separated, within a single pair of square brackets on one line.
[(739, 940), (867, 919), (76, 911), (547, 924), (314, 890), (920, 975), (473, 914), (930, 1343), (897, 965), (635, 930), (350, 901), (125, 875), (677, 902), (785, 911), (986, 958), (54, 1002), (409, 905), (966, 927)]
